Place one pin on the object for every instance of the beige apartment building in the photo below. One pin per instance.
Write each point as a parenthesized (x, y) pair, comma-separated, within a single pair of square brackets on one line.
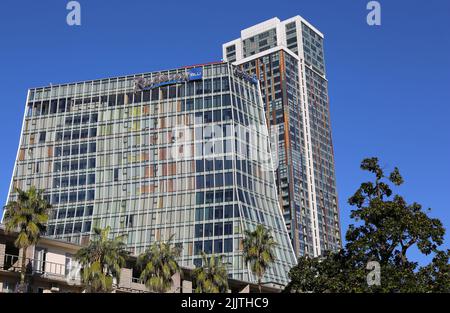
[(51, 268)]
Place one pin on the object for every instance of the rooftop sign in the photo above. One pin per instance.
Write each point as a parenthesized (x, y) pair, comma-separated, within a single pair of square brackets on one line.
[(141, 83)]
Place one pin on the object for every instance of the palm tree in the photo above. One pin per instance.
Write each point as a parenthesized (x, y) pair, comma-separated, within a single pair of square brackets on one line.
[(101, 261), (212, 276), (27, 216), (158, 264), (258, 251)]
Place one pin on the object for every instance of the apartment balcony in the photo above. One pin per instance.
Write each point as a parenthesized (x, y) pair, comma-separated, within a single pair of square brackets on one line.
[(58, 275), (41, 268)]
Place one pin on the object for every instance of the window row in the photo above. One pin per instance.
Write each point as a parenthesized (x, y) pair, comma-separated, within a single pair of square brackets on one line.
[(74, 196), (217, 212), (213, 229), (48, 107), (218, 164), (80, 180), (80, 211), (69, 228), (212, 246), (253, 214), (213, 116), (83, 148), (81, 119), (76, 134), (74, 165), (214, 196), (214, 180), (205, 103)]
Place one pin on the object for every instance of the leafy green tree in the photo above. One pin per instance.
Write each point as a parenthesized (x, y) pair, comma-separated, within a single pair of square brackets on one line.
[(101, 261), (435, 277), (212, 276), (389, 225), (158, 264), (258, 248), (386, 228), (322, 275), (27, 216)]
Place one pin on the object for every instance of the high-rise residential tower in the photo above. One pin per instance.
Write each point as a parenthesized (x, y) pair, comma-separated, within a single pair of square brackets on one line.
[(180, 153), (288, 59)]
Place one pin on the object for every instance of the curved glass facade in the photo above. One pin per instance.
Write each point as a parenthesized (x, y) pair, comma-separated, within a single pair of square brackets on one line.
[(181, 153)]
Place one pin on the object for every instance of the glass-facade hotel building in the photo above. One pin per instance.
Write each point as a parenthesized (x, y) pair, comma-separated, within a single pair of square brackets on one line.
[(183, 152), (288, 59)]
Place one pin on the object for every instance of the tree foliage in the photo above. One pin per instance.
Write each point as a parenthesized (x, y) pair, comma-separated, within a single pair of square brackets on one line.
[(258, 248), (102, 261), (212, 276), (158, 264), (27, 215), (386, 228)]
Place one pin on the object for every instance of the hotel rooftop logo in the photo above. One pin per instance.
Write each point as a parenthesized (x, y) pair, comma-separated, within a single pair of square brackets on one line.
[(168, 79)]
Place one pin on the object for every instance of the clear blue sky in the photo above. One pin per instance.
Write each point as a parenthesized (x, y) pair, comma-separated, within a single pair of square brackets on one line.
[(389, 85)]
